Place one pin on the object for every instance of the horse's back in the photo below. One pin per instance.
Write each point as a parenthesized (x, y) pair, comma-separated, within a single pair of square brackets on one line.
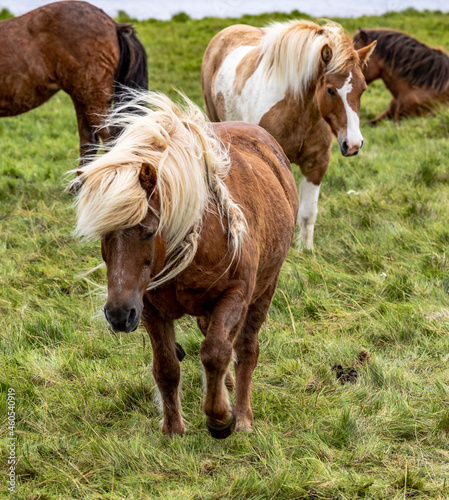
[(260, 177), (63, 19), (219, 48), (75, 27), (62, 45), (67, 26)]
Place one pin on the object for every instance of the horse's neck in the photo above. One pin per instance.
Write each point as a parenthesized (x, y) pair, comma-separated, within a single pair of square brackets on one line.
[(307, 112), (291, 120)]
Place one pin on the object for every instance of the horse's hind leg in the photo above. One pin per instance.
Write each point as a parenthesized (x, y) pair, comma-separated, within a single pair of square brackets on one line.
[(391, 112), (416, 103), (92, 106), (216, 354), (89, 140), (166, 369), (246, 347), (382, 116)]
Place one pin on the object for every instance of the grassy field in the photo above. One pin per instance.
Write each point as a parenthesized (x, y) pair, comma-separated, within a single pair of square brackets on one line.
[(373, 297)]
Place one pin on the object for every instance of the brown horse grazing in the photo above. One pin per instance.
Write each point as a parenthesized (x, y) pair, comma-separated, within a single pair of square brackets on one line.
[(197, 219), (75, 47), (416, 75), (299, 81)]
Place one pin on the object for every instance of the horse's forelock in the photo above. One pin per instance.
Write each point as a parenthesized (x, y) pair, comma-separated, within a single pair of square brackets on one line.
[(343, 53), (110, 199)]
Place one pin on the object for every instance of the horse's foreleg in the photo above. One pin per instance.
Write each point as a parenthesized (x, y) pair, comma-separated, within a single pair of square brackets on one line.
[(313, 163), (307, 213), (203, 324), (166, 369), (216, 354), (246, 347)]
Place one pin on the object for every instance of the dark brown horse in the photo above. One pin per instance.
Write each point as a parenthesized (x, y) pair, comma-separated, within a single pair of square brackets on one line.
[(416, 75), (299, 81), (75, 47), (197, 219)]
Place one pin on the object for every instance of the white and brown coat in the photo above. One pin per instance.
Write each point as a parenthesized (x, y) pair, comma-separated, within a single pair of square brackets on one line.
[(298, 80)]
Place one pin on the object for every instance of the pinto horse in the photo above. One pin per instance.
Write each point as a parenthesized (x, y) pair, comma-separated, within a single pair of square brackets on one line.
[(194, 218), (416, 75), (75, 47), (299, 81)]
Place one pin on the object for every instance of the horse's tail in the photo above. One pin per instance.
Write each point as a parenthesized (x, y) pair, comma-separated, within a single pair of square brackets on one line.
[(132, 69)]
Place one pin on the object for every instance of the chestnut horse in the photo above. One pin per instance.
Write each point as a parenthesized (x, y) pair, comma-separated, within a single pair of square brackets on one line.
[(416, 75), (299, 81), (194, 218), (75, 47)]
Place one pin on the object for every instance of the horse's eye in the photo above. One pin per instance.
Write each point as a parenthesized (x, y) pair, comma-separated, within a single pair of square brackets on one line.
[(330, 91), (148, 234)]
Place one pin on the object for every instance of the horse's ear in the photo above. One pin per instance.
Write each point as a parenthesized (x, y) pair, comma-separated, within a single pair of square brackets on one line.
[(365, 53), (148, 178), (363, 36), (326, 54)]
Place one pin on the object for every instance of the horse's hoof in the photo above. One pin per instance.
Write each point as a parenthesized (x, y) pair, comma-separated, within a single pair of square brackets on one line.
[(224, 432), (244, 426)]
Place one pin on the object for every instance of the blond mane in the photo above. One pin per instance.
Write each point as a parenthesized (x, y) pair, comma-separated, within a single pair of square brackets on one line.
[(190, 163), (291, 52)]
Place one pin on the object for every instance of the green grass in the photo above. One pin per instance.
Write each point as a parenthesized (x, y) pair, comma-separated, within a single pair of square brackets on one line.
[(87, 425)]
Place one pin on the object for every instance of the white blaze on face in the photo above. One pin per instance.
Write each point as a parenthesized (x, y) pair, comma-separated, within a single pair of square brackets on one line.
[(353, 134), (121, 259), (255, 99)]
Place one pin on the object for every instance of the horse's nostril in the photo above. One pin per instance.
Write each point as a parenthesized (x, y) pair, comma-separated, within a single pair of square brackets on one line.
[(344, 147), (122, 318), (361, 145), (131, 316)]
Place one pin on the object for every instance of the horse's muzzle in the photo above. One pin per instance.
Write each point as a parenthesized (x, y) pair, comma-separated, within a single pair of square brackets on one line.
[(122, 318), (348, 149)]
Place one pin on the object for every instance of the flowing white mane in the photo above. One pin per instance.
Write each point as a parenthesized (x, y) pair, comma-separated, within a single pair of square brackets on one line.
[(190, 165), (291, 52)]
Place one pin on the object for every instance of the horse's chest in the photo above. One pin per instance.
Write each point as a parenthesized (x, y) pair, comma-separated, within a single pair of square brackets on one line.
[(173, 303)]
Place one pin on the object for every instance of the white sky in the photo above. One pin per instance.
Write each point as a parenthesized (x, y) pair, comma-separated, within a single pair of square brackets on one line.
[(144, 9)]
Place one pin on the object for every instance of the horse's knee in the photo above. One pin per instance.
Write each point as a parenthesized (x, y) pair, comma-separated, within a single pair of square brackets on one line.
[(307, 213), (215, 354), (308, 201)]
